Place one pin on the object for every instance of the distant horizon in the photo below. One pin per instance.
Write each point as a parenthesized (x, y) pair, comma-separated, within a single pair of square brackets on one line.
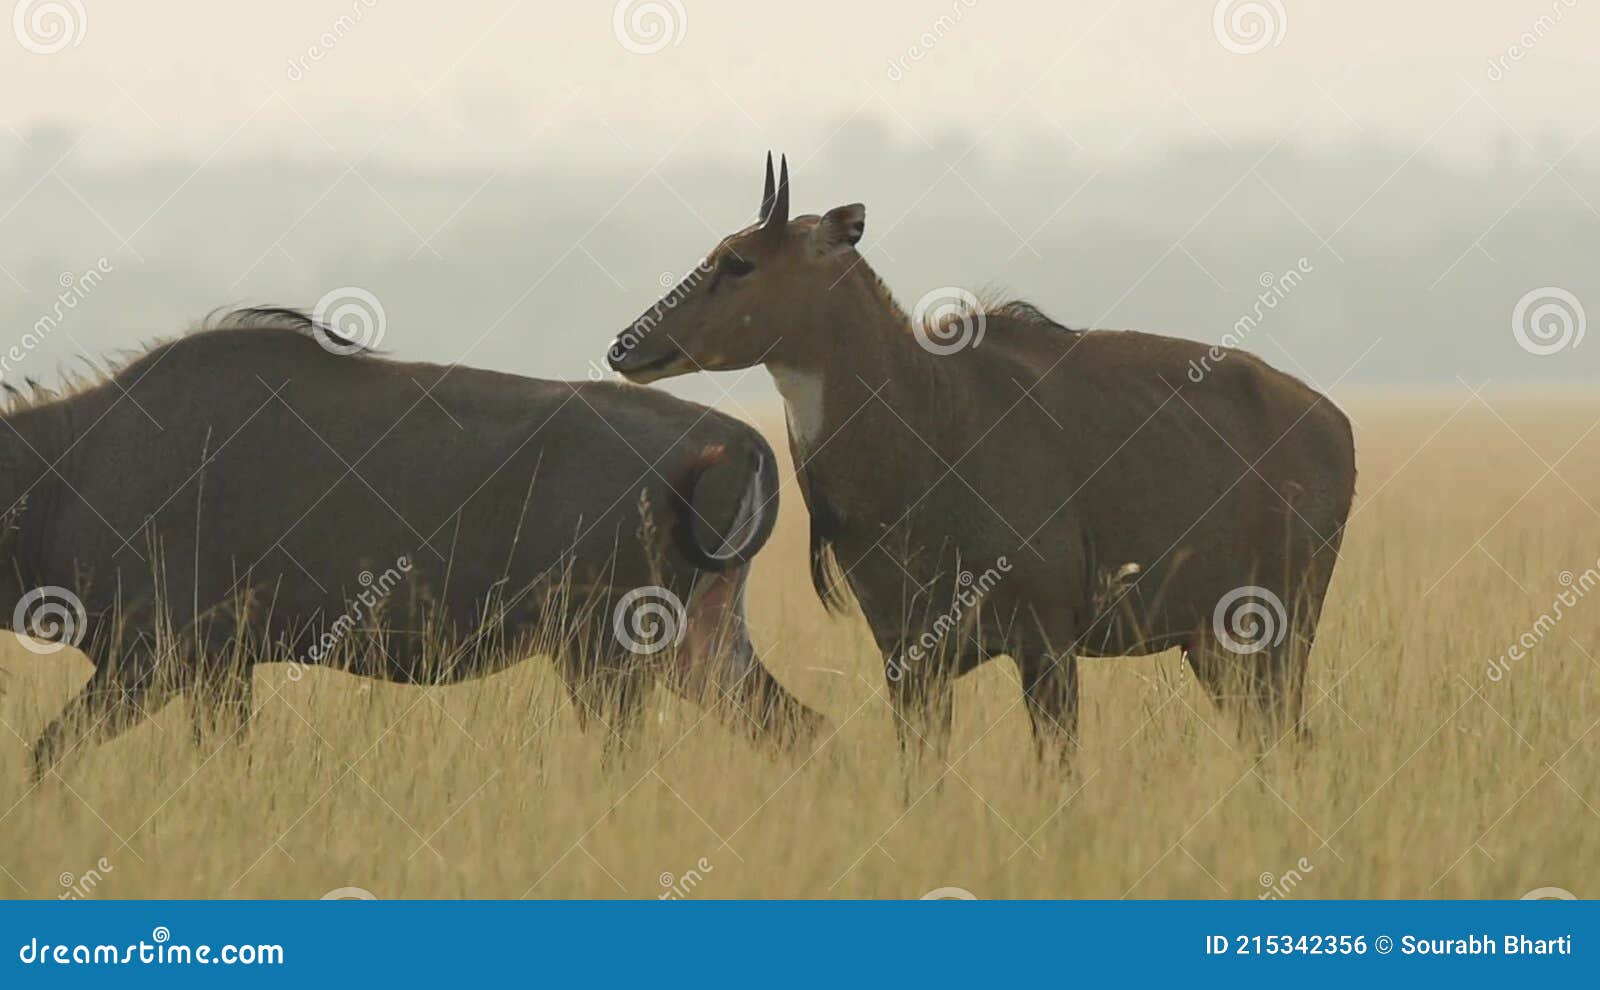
[(1008, 144)]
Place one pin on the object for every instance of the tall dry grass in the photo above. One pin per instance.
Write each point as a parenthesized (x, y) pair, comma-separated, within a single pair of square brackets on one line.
[(1427, 777)]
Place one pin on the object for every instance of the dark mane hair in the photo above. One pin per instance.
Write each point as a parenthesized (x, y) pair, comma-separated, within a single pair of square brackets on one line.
[(281, 318), (1011, 314), (995, 309), (1018, 311)]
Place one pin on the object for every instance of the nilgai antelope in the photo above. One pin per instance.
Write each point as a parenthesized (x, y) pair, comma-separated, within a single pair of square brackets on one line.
[(1113, 501), (227, 498)]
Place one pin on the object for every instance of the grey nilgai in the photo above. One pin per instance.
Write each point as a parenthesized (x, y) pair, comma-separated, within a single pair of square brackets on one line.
[(244, 493)]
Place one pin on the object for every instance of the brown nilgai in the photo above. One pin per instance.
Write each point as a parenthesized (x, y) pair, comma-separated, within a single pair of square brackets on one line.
[(261, 491), (992, 483)]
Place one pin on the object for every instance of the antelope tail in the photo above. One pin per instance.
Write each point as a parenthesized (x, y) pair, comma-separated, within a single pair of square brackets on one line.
[(727, 505)]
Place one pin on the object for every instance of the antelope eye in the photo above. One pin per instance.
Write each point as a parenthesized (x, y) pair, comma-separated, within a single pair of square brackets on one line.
[(736, 266)]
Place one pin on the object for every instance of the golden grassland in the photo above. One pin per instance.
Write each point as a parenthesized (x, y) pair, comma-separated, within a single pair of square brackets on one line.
[(1427, 776)]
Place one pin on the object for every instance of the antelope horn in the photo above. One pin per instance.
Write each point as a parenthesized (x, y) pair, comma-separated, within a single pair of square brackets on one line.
[(777, 219), (766, 196)]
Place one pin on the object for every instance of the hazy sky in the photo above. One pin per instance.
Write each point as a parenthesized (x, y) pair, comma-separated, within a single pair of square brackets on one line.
[(500, 79), (517, 181)]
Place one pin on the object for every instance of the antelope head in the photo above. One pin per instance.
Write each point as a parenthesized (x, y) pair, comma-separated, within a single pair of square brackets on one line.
[(759, 296)]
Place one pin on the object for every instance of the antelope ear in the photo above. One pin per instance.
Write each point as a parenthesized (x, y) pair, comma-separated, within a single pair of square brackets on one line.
[(839, 228)]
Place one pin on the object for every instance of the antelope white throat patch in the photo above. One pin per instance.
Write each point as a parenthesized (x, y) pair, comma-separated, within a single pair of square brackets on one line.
[(802, 403)]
